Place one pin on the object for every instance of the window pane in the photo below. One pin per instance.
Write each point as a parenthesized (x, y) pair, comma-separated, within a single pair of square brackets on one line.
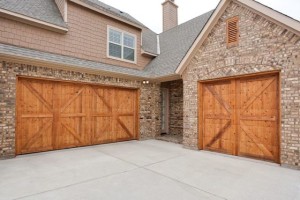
[(129, 41), (128, 54), (115, 50), (115, 36)]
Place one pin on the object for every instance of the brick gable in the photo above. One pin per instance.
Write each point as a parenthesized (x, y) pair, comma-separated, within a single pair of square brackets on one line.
[(263, 46)]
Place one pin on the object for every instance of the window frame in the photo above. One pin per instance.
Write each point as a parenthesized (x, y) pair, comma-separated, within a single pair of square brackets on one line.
[(122, 45)]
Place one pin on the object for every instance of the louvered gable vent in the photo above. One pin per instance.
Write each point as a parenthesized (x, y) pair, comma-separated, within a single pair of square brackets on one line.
[(232, 31)]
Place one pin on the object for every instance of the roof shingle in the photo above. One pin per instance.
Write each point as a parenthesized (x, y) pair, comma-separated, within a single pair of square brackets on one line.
[(44, 10), (149, 41), (114, 11), (175, 43), (19, 52)]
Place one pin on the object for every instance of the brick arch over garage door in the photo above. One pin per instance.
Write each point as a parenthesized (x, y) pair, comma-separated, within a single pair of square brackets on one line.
[(241, 116), (56, 115)]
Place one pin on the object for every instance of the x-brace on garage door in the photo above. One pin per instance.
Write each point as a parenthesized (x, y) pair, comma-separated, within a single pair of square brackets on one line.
[(56, 115), (240, 117)]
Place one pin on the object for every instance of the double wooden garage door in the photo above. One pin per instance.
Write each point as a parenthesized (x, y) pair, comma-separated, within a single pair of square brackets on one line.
[(241, 117), (57, 115)]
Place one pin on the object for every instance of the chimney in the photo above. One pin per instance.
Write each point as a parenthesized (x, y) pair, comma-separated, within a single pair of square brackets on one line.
[(170, 14)]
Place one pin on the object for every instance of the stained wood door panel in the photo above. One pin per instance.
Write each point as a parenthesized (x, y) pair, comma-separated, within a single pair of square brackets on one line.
[(73, 113), (240, 117), (36, 117), (124, 128), (102, 130), (217, 108), (125, 114), (57, 115), (102, 115), (259, 118)]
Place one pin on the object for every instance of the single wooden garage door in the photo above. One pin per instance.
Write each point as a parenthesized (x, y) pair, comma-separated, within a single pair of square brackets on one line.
[(56, 115), (241, 117)]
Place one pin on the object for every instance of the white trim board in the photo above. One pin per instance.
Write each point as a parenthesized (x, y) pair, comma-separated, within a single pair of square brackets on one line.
[(148, 53), (66, 11)]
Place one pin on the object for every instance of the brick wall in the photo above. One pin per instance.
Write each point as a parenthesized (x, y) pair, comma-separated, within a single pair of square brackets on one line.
[(86, 38), (170, 15), (61, 7), (264, 46), (149, 99), (175, 106)]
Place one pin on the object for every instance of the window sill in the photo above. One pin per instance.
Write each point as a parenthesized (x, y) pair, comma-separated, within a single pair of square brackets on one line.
[(122, 60)]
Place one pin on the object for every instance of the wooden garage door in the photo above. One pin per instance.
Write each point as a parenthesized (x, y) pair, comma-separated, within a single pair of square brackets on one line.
[(57, 115), (241, 117)]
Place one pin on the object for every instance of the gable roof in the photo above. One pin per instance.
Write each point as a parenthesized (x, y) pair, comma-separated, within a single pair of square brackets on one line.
[(271, 14), (165, 46), (149, 37), (163, 65), (110, 11), (114, 11), (44, 10), (47, 11), (175, 43)]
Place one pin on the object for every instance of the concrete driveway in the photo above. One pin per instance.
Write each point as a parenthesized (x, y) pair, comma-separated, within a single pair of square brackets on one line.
[(143, 170)]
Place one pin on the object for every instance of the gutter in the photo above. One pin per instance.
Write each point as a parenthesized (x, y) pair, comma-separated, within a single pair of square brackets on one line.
[(22, 59), (63, 66)]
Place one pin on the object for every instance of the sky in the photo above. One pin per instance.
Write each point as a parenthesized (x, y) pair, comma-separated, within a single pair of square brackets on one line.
[(149, 12)]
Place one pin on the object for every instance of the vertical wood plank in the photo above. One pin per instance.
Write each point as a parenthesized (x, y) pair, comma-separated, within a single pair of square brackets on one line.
[(237, 116), (56, 115), (279, 119), (200, 117), (19, 102), (137, 114), (232, 97), (114, 115)]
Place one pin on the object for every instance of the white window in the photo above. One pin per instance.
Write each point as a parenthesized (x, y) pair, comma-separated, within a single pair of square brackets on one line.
[(121, 45)]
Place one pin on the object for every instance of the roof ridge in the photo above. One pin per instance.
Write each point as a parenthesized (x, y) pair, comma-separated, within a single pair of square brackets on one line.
[(114, 11)]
